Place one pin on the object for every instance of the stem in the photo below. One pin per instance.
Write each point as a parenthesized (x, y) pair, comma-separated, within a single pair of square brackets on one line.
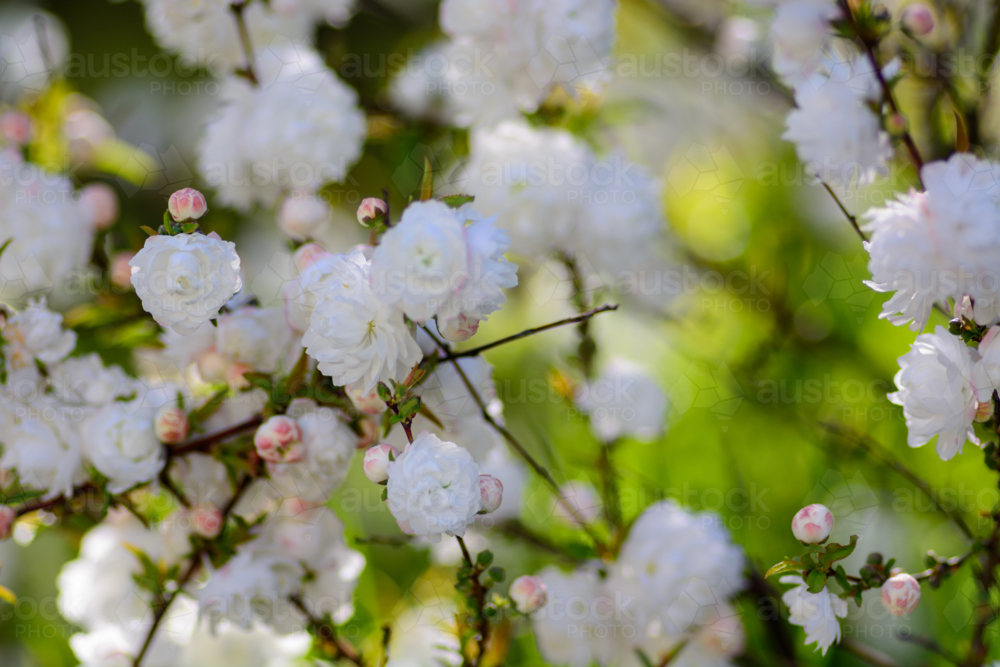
[(328, 633), (515, 529), (479, 595), (28, 508), (241, 27), (581, 318), (886, 91), (850, 218), (206, 441), (541, 470)]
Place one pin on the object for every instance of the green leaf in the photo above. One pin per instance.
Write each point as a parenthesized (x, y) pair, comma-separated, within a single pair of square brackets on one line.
[(149, 230), (457, 201), (384, 393), (842, 578), (427, 182), (484, 558), (8, 595), (497, 574), (5, 245), (196, 417), (816, 581), (835, 552), (168, 223), (783, 567)]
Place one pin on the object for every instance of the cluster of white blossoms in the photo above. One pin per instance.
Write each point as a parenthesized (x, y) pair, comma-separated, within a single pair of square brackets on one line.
[(294, 128), (503, 59), (603, 211), (203, 31), (836, 134), (672, 584)]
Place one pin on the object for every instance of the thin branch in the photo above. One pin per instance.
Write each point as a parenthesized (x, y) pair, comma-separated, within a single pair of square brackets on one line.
[(513, 528), (28, 508), (476, 351), (868, 654), (875, 449), (241, 27), (328, 634), (478, 594), (850, 217), (932, 646), (886, 91), (206, 441), (539, 469)]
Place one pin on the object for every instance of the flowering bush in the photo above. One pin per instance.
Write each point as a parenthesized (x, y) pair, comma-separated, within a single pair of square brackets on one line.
[(478, 332)]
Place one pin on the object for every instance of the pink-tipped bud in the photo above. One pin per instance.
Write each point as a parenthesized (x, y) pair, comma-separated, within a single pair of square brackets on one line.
[(376, 463), (187, 204), (121, 272), (371, 211), (984, 411), (458, 329), (302, 217), (171, 425), (369, 403), (491, 493), (918, 19), (307, 255), (901, 594), (528, 593), (101, 202), (812, 524), (15, 126), (7, 518), (279, 440), (206, 520)]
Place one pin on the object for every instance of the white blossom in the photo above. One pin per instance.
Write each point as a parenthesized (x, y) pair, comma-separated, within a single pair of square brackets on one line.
[(817, 613), (87, 381), (580, 614), (37, 333), (936, 390), (836, 135), (259, 338), (422, 260), (45, 449), (123, 446), (433, 488), (624, 402), (247, 582), (184, 280), (355, 337)]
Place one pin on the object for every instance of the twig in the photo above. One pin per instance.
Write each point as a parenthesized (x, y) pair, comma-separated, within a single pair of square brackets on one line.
[(932, 646), (539, 469), (873, 448), (515, 529), (478, 594), (850, 217), (886, 91), (241, 27), (328, 633), (28, 508), (583, 317), (868, 654), (206, 441)]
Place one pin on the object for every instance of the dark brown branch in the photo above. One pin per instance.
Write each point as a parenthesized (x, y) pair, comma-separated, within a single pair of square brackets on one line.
[(206, 441), (241, 27), (327, 634), (583, 317), (850, 217)]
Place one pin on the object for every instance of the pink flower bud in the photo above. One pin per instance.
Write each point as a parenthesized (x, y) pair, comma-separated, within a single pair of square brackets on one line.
[(15, 126), (369, 403), (279, 440), (101, 203), (984, 411), (491, 492), (121, 272), (307, 255), (171, 425), (376, 462), (372, 210), (187, 204), (458, 329), (918, 19), (528, 593), (301, 217), (901, 594), (812, 524), (206, 520), (7, 517)]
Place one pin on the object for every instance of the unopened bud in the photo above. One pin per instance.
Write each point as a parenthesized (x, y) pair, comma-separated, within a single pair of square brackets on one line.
[(812, 524), (896, 124), (491, 493), (279, 440), (302, 217), (187, 204), (984, 411), (528, 593), (376, 463), (171, 425), (15, 126), (206, 520), (369, 403), (458, 329), (901, 594), (121, 272), (101, 202), (371, 211), (918, 19), (7, 518)]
